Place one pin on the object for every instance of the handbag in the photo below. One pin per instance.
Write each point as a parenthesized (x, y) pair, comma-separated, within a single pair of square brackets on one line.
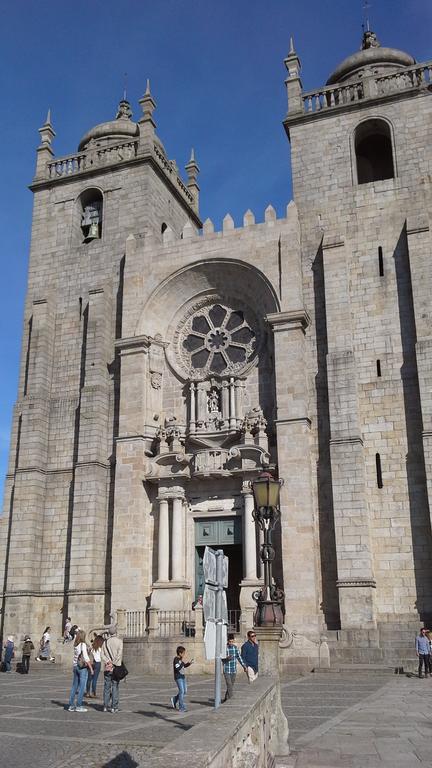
[(119, 671)]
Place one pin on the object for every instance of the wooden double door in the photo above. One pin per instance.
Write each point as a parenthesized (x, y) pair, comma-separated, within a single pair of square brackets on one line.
[(220, 533)]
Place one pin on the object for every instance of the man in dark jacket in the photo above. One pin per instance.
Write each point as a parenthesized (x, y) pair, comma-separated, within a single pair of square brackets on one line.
[(249, 653)]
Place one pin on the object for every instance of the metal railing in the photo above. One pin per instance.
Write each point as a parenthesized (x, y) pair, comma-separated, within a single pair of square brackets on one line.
[(234, 621), (176, 623)]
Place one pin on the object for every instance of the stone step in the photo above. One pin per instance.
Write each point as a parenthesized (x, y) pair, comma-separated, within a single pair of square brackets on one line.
[(365, 669)]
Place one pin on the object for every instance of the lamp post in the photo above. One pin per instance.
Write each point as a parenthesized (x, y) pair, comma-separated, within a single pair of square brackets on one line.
[(269, 598)]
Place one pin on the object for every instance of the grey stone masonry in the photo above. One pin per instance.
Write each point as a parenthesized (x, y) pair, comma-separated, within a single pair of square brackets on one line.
[(165, 365)]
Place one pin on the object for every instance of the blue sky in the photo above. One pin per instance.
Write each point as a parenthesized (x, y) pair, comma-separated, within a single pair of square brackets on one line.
[(217, 75)]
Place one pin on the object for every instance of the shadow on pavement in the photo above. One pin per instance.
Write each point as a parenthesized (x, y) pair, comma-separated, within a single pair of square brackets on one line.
[(122, 760), (158, 716)]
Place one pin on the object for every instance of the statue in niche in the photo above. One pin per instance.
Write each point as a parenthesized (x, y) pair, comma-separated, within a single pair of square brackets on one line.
[(90, 221), (213, 401)]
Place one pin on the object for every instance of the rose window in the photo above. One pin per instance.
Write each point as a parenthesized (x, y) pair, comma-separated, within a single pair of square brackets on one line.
[(219, 339)]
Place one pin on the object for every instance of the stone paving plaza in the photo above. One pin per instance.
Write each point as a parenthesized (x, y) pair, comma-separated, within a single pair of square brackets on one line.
[(336, 721)]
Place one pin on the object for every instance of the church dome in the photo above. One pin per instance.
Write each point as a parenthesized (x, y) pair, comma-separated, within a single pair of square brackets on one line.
[(371, 55), (119, 129)]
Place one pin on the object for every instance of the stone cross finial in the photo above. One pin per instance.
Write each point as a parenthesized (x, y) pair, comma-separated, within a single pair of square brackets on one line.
[(148, 105)]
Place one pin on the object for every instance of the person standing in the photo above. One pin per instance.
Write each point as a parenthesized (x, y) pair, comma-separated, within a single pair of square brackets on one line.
[(249, 653), (81, 665), (230, 666), (96, 653), (9, 653), (66, 634), (179, 664), (27, 649), (422, 647), (45, 647), (111, 657)]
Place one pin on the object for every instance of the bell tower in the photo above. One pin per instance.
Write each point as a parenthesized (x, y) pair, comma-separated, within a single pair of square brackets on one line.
[(362, 183), (59, 490)]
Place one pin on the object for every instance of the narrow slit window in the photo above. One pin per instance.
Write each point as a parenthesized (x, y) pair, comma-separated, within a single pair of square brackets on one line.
[(378, 364), (378, 470), (380, 261)]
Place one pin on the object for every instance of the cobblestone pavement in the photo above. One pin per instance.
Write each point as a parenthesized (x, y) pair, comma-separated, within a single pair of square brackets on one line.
[(330, 717)]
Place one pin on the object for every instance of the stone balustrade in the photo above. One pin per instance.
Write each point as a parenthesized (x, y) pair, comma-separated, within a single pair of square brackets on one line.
[(72, 165), (66, 166), (404, 79), (332, 96), (371, 86)]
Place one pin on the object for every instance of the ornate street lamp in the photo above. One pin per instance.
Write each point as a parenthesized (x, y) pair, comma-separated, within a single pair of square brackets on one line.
[(269, 598)]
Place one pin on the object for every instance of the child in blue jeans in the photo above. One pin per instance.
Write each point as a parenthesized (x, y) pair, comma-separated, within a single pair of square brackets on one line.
[(178, 666)]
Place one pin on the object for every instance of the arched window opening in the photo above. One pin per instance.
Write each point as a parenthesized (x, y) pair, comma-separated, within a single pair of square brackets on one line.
[(378, 365), (91, 214), (163, 227), (374, 152), (378, 470)]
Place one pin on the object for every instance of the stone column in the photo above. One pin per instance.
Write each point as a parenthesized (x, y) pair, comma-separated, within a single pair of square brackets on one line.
[(232, 418), (250, 571), (192, 421), (163, 541), (177, 566), (356, 582)]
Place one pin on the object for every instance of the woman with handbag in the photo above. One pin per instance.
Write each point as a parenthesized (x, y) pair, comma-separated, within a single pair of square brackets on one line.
[(81, 665), (112, 658)]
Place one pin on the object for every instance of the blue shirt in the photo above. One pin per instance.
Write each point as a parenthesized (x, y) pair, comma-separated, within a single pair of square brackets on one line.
[(249, 654), (422, 644)]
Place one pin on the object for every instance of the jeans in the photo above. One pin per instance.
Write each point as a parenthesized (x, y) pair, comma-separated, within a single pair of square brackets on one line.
[(424, 658), (79, 683), (230, 680), (93, 678), (25, 663), (182, 691), (8, 666), (111, 692)]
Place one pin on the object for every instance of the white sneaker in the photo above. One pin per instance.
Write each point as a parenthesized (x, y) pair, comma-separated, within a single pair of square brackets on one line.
[(81, 709), (71, 709)]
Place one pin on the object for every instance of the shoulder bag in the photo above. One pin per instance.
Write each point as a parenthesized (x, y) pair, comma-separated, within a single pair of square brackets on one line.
[(119, 672)]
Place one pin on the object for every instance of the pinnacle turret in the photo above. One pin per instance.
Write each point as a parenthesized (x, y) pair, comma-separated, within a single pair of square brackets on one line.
[(148, 106)]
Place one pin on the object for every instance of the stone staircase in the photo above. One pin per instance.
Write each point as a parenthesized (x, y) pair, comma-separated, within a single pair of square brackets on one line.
[(389, 647)]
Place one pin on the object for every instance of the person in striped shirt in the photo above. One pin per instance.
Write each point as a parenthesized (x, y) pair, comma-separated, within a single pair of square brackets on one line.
[(230, 666)]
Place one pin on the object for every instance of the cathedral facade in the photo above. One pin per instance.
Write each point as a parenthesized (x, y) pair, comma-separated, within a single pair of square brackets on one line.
[(165, 365)]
